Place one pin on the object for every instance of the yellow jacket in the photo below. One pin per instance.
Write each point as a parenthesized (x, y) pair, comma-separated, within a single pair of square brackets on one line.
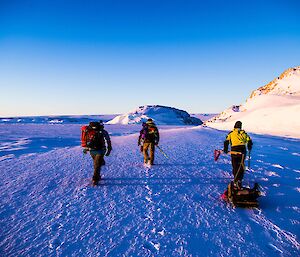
[(238, 137)]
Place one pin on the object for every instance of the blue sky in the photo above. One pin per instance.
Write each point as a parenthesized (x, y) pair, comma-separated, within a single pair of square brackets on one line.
[(104, 57)]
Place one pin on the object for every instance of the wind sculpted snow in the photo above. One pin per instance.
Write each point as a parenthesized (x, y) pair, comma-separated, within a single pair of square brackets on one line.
[(49, 208)]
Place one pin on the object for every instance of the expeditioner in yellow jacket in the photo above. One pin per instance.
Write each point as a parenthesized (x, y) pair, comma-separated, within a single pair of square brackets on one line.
[(238, 140)]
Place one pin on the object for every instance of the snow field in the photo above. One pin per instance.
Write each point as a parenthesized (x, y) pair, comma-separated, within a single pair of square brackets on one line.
[(49, 208)]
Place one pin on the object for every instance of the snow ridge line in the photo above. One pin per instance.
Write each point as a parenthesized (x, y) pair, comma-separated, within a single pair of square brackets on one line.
[(267, 224)]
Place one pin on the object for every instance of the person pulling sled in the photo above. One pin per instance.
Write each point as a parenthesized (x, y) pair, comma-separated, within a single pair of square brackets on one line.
[(238, 139), (236, 193), (148, 139), (96, 140)]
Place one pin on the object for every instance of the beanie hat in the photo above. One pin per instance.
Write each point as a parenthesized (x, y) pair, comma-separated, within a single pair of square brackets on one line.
[(238, 124)]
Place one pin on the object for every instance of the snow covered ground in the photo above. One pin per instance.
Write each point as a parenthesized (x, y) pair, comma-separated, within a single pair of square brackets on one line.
[(48, 207)]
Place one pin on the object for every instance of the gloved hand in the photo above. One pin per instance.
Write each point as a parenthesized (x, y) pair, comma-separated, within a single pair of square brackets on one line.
[(155, 143), (141, 148), (85, 150), (226, 144)]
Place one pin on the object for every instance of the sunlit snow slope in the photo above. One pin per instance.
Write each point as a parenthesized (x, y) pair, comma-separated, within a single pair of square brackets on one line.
[(272, 109)]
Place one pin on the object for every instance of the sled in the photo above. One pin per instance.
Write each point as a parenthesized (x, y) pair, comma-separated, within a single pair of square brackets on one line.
[(242, 197)]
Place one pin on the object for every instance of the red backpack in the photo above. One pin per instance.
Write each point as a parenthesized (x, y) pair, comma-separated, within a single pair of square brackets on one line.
[(87, 135)]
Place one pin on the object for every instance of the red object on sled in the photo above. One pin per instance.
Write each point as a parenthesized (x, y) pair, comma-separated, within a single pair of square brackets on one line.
[(224, 196)]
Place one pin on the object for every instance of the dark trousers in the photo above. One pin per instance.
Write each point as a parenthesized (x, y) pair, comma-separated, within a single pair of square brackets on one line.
[(237, 161), (146, 147), (98, 162)]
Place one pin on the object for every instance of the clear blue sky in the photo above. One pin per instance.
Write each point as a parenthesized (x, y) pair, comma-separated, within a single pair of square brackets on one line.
[(104, 57)]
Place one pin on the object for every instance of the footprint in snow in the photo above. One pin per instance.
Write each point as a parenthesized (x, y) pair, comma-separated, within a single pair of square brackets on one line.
[(295, 222), (153, 247), (54, 227), (148, 217), (149, 199), (161, 232), (272, 174), (295, 208), (81, 192), (55, 243), (158, 231)]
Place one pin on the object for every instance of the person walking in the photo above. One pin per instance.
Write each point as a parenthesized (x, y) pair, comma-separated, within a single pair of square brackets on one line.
[(148, 139), (238, 139), (99, 146)]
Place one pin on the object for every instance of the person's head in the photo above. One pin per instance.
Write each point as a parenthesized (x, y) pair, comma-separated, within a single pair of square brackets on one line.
[(238, 125), (101, 124), (97, 125), (150, 122)]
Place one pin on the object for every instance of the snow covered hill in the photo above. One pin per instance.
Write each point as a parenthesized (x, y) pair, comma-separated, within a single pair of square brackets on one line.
[(48, 207), (162, 115), (272, 109), (288, 83)]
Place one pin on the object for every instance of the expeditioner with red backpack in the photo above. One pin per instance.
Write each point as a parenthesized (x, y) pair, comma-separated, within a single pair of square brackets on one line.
[(148, 139), (95, 138)]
